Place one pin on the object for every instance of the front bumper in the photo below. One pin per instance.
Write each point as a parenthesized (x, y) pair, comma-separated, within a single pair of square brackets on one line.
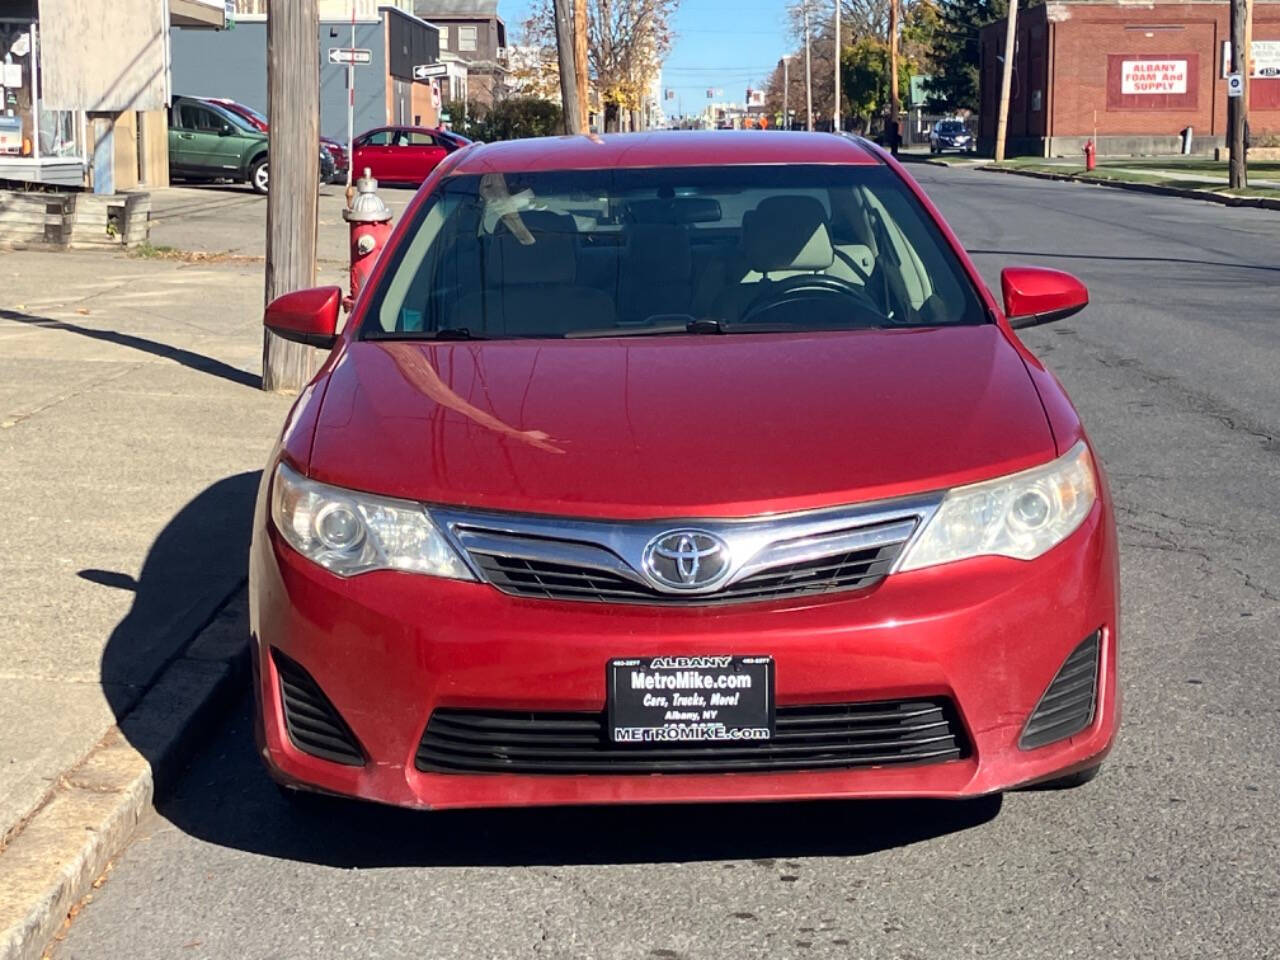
[(389, 648)]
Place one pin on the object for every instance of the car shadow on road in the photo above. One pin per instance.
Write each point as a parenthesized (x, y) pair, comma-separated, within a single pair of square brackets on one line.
[(226, 798), (187, 358)]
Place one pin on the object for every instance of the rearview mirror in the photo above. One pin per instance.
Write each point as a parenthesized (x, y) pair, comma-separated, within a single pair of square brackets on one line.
[(306, 316), (1035, 295)]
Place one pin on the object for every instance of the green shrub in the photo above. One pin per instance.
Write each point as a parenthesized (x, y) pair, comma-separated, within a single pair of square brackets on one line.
[(508, 119)]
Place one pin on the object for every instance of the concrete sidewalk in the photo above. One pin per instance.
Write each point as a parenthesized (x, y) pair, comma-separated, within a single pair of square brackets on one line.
[(232, 219), (132, 430)]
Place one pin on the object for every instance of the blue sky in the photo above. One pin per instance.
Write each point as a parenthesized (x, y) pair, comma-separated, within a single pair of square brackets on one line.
[(724, 44)]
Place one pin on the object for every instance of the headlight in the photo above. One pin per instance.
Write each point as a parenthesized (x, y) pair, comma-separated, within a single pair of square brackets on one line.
[(348, 532), (1020, 516)]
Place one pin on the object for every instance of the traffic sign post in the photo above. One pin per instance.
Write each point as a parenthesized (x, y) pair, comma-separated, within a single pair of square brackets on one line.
[(349, 56), (429, 71), (1235, 85)]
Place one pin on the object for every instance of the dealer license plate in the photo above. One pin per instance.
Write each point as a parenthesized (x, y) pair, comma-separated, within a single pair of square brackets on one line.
[(690, 700)]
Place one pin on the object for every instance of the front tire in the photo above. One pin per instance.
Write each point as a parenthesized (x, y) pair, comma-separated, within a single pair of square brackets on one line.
[(260, 177), (310, 803), (1071, 780)]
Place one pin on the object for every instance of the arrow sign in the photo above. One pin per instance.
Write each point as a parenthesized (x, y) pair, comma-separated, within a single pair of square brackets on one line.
[(425, 71), (350, 55)]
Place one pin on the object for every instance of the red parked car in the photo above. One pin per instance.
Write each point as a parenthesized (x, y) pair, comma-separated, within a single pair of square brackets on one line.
[(335, 149), (403, 155), (681, 467)]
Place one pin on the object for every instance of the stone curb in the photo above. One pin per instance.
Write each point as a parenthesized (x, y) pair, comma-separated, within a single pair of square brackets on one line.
[(1267, 203), (53, 862)]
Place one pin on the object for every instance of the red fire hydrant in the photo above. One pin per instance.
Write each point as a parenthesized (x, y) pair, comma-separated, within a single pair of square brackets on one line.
[(1090, 155), (370, 223)]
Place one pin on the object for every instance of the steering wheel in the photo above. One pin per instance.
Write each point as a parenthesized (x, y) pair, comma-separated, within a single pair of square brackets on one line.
[(804, 287)]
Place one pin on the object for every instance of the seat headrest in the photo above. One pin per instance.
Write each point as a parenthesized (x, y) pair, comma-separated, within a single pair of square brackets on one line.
[(550, 258), (660, 251), (787, 233)]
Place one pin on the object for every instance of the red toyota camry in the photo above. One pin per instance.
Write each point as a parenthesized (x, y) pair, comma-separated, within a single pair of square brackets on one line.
[(681, 467)]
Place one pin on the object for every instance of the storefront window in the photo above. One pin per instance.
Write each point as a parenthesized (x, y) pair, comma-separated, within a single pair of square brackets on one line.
[(27, 128), (17, 122), (59, 133)]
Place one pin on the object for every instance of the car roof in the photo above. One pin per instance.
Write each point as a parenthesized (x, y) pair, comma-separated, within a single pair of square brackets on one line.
[(666, 148), (402, 126)]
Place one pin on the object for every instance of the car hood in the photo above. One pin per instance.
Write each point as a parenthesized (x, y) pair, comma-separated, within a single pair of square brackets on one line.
[(679, 426)]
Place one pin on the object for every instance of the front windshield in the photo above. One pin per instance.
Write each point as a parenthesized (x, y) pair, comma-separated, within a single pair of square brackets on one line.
[(736, 249), (951, 126)]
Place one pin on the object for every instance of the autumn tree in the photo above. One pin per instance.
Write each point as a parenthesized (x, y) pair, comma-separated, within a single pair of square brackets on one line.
[(534, 68), (864, 78), (627, 41)]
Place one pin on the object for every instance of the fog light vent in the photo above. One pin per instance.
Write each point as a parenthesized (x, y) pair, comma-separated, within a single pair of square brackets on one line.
[(314, 724), (1068, 705)]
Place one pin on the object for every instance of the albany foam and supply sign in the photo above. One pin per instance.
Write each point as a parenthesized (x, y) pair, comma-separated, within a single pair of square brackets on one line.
[(1151, 77), (1163, 82)]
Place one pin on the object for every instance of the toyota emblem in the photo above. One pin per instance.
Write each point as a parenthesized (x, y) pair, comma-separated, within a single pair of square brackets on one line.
[(686, 559)]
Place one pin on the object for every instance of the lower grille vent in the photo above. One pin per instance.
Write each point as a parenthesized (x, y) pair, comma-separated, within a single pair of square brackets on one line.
[(1069, 702), (314, 724), (805, 738)]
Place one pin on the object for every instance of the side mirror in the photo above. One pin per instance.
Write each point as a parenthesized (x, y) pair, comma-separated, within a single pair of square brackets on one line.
[(226, 130), (306, 316), (1035, 295)]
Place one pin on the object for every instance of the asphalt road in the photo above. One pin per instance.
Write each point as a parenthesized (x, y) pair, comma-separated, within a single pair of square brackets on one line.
[(1170, 853)]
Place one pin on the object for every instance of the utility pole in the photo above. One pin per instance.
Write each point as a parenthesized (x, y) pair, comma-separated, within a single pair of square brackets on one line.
[(835, 112), (786, 92), (893, 69), (1237, 107), (580, 63), (568, 71), (351, 114), (1006, 78), (808, 71), (293, 103)]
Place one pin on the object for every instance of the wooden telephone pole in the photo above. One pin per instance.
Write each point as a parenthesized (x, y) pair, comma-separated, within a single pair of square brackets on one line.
[(1006, 78), (1238, 107), (568, 71), (580, 63), (893, 70), (293, 104), (808, 71), (835, 112)]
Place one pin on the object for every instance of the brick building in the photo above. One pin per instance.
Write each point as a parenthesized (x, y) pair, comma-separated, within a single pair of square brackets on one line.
[(1136, 74)]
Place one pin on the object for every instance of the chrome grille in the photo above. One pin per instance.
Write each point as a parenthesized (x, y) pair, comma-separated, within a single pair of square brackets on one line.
[(532, 578), (817, 552)]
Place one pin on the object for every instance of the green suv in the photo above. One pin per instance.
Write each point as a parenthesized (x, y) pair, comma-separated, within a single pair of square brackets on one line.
[(207, 142)]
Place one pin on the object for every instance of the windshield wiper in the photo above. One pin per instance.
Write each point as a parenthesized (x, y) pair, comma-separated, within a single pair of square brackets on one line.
[(705, 326), (454, 333), (655, 330)]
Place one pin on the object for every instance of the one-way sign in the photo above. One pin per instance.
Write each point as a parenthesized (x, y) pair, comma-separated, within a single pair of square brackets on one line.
[(350, 55), (425, 71)]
